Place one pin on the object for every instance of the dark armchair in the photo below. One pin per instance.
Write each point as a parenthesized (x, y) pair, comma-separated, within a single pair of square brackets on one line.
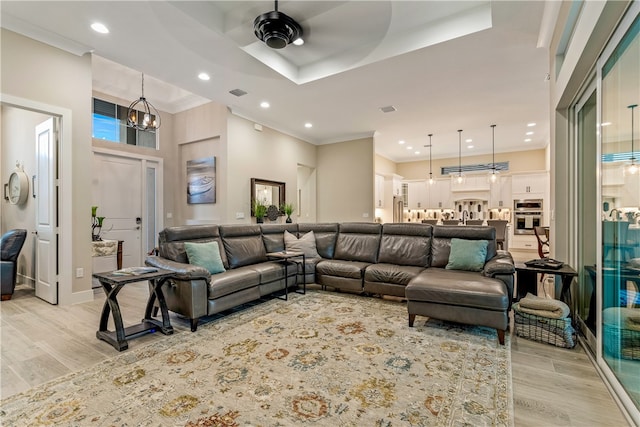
[(10, 248)]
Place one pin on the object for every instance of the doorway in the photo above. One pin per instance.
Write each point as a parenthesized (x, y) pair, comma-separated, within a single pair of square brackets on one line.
[(30, 143), (127, 189)]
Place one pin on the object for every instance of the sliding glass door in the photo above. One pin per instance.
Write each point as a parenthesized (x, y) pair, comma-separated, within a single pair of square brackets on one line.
[(618, 301)]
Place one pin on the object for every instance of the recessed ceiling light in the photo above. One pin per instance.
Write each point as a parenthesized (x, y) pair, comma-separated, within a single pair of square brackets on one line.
[(531, 124), (469, 146), (401, 142), (204, 76), (99, 28), (265, 104), (529, 133), (527, 140), (606, 124), (409, 148), (417, 152), (468, 140), (308, 125)]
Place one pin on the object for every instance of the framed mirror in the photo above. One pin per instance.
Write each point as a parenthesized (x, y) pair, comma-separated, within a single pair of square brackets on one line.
[(269, 193)]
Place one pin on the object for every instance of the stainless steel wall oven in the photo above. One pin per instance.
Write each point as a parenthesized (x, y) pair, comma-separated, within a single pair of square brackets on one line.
[(527, 214)]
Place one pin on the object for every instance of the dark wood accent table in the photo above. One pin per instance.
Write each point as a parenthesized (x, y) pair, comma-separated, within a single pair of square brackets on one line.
[(112, 284), (528, 280), (285, 257)]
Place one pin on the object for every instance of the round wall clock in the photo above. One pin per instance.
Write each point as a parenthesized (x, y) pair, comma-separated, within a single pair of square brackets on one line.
[(18, 187)]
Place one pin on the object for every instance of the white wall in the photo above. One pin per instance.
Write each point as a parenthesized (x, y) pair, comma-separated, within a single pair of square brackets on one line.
[(48, 76), (198, 132), (17, 143), (265, 154), (346, 181)]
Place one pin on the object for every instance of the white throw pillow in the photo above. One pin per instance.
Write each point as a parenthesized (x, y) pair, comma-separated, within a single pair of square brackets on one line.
[(305, 244)]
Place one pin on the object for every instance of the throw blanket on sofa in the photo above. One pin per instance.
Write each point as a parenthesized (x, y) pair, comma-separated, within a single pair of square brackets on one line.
[(558, 332), (544, 307)]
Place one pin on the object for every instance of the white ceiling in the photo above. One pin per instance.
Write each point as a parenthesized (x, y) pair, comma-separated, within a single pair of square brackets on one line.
[(444, 65)]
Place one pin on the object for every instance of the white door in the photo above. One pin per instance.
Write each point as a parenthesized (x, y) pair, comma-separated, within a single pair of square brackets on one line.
[(46, 221), (117, 191)]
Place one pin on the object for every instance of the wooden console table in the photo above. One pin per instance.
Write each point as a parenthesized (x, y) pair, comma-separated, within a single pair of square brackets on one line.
[(112, 283)]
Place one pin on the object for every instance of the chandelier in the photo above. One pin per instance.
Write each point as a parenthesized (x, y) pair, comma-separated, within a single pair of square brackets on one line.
[(142, 115), (459, 178), (493, 176), (430, 170)]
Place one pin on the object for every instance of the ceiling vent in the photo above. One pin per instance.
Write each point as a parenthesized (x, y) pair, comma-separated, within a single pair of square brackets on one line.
[(237, 92), (388, 109), (276, 29)]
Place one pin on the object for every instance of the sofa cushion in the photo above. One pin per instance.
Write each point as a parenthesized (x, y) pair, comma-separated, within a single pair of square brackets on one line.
[(171, 241), (326, 235), (455, 287), (205, 255), (273, 235), (305, 244), (391, 273), (467, 255), (441, 241), (405, 244), (232, 281), (243, 245), (340, 268), (358, 242)]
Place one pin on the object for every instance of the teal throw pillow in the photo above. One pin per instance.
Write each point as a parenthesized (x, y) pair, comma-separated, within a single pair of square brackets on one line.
[(205, 255), (467, 255)]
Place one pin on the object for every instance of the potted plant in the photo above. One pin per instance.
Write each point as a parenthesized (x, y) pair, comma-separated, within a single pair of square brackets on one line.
[(288, 209), (259, 210)]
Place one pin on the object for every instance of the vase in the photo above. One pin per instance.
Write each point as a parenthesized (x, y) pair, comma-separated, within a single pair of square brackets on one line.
[(288, 220), (259, 220)]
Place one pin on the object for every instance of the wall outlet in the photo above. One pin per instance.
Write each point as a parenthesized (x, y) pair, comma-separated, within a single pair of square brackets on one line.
[(79, 272), (239, 215), (365, 215), (169, 215)]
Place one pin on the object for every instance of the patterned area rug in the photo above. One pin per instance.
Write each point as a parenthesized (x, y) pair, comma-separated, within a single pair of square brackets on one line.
[(321, 359)]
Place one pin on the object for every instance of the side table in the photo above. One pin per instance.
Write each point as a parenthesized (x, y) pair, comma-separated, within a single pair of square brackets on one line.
[(112, 283), (528, 280), (285, 257)]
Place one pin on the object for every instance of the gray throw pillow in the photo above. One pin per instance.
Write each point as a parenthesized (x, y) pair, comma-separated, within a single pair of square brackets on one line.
[(305, 244)]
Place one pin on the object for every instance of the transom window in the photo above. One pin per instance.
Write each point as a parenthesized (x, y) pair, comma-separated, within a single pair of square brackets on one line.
[(110, 124)]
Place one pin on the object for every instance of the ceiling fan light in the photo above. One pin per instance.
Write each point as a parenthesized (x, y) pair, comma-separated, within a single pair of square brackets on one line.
[(276, 29)]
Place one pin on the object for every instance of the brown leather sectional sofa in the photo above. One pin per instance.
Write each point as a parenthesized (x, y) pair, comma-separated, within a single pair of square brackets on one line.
[(405, 260)]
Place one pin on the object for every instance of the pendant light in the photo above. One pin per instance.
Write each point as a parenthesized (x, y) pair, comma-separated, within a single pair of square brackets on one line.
[(150, 115), (493, 176), (632, 168), (459, 178), (430, 170)]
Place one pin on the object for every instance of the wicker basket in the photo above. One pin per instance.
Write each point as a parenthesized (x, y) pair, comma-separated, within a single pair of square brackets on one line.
[(618, 341), (558, 332)]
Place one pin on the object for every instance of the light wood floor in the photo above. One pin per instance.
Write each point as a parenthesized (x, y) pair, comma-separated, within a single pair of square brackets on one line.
[(40, 342)]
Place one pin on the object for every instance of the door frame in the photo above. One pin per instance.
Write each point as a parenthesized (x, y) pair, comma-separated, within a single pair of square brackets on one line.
[(64, 206), (159, 188)]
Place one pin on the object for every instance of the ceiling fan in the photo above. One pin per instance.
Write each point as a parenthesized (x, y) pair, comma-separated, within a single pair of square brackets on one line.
[(277, 30)]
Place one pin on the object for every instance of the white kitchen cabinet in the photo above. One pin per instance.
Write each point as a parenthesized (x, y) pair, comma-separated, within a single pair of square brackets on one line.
[(379, 192), (524, 186), (418, 197), (501, 193), (440, 194)]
